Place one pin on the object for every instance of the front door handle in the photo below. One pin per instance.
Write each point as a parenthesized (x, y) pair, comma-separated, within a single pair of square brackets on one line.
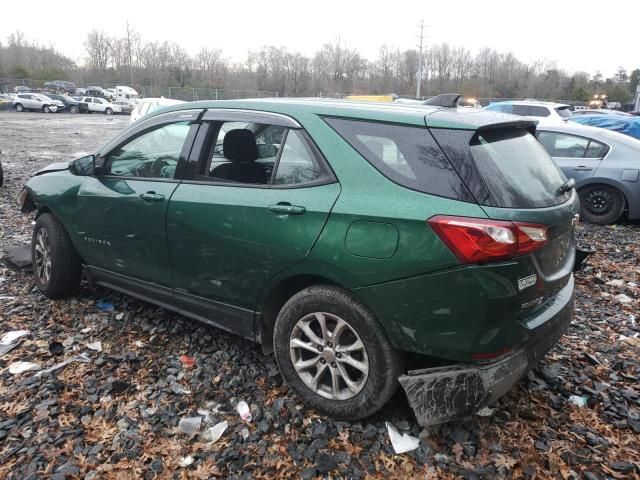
[(152, 197), (583, 168), (287, 209)]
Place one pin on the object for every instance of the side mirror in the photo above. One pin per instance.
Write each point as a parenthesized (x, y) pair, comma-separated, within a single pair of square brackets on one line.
[(83, 166)]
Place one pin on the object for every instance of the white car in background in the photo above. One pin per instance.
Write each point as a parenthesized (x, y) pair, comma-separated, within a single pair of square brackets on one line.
[(36, 102), (148, 105), (96, 104), (541, 111)]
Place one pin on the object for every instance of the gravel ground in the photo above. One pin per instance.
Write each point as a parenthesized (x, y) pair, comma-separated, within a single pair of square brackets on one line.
[(117, 413)]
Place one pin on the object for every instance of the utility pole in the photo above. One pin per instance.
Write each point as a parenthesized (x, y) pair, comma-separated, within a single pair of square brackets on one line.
[(419, 79), (129, 53)]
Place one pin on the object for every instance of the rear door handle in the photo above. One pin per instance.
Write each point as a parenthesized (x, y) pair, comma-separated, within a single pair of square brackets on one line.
[(287, 209), (582, 167), (152, 197)]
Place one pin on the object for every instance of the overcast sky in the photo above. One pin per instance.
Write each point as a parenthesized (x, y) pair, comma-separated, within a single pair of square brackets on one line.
[(579, 35)]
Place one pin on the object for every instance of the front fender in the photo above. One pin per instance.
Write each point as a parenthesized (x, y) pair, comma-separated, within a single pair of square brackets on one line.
[(26, 202)]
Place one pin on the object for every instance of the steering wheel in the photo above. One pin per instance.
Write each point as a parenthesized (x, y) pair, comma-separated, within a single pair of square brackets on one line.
[(155, 168)]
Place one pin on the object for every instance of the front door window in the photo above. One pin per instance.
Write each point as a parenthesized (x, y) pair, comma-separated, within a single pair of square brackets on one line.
[(153, 154)]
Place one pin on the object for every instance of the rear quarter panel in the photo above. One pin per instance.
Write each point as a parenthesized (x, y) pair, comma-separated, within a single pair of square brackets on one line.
[(620, 169)]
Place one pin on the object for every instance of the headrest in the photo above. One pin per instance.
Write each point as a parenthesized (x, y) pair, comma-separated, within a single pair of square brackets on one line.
[(239, 145)]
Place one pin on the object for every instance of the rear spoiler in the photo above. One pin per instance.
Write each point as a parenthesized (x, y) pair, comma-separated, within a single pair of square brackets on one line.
[(448, 100), (526, 124)]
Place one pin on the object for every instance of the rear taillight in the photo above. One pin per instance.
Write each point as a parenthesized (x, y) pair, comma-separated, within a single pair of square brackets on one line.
[(478, 240)]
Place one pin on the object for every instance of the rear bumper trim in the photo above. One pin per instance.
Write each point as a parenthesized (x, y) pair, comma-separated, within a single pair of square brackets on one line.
[(441, 394)]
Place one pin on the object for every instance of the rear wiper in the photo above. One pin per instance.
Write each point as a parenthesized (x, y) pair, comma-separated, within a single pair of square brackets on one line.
[(566, 186)]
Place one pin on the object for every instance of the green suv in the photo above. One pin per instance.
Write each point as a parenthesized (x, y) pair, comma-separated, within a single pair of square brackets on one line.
[(366, 245)]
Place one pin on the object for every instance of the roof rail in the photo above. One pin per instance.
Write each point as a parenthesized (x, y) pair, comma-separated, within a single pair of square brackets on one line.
[(449, 100)]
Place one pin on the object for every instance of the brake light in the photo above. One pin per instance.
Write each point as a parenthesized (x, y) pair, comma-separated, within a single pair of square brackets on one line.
[(478, 240)]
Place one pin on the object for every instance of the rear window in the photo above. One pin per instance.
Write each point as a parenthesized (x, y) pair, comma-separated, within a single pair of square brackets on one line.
[(406, 155), (516, 170)]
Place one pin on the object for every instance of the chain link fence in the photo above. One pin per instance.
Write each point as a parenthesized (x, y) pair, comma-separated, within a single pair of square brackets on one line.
[(189, 94)]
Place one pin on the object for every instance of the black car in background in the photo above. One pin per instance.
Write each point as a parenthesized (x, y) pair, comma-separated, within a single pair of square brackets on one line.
[(61, 86), (71, 104), (94, 91)]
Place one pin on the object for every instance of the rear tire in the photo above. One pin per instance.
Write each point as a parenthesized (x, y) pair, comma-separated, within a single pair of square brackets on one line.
[(73, 109), (108, 111), (601, 204), (352, 347), (19, 107), (57, 266)]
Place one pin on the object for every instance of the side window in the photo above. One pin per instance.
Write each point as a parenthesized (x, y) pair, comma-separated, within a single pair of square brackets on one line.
[(596, 150), (154, 154), (535, 111), (268, 139), (244, 153), (407, 155), (522, 110), (297, 163), (563, 145)]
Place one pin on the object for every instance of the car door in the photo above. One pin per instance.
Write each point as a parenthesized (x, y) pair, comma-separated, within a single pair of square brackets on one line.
[(100, 105), (228, 235), (578, 157), (31, 102), (121, 210), (89, 102)]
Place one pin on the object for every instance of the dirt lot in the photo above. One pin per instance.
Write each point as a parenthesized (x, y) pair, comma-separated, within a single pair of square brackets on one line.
[(117, 414)]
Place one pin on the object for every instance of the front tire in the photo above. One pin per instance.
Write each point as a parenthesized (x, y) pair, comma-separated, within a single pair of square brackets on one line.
[(334, 354), (46, 109), (56, 265), (108, 111), (601, 204), (19, 107), (73, 109)]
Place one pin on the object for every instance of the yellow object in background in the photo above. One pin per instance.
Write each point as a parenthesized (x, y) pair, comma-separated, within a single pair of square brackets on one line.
[(371, 98)]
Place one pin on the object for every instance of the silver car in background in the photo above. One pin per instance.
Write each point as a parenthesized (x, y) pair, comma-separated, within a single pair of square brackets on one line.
[(604, 164), (36, 102)]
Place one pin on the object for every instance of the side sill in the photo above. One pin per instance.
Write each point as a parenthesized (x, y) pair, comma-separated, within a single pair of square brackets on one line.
[(228, 318)]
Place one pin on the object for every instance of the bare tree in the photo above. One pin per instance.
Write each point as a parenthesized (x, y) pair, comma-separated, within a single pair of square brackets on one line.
[(98, 47)]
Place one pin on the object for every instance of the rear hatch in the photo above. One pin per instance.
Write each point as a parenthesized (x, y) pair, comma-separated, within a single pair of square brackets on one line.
[(514, 180)]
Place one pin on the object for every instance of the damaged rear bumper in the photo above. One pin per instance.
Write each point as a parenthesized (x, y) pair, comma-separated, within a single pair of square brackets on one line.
[(441, 394)]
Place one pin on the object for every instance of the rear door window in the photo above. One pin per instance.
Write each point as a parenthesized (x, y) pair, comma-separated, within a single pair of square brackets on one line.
[(571, 146), (406, 155), (297, 164), (522, 110), (535, 111)]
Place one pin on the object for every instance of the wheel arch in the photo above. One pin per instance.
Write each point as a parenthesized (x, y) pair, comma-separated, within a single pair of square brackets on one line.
[(275, 298), (41, 209), (595, 181)]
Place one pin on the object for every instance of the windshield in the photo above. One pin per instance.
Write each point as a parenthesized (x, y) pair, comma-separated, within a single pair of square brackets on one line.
[(564, 112), (516, 169)]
